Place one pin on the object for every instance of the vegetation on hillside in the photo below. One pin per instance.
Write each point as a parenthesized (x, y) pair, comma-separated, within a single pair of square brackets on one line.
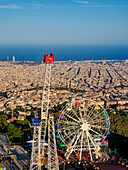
[(119, 134), (119, 124), (14, 134)]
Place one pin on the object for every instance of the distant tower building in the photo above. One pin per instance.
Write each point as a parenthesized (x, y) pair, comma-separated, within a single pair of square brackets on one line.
[(13, 59), (7, 58)]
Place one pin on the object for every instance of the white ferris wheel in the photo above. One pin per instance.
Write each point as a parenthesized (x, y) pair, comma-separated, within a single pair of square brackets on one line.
[(83, 126)]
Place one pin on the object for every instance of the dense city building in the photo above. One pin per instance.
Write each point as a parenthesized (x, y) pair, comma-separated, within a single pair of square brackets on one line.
[(21, 84)]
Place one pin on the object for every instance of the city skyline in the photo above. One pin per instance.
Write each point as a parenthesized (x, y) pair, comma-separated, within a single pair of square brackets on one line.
[(68, 22)]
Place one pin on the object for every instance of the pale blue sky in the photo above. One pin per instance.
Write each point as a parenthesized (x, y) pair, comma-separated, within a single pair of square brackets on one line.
[(63, 22)]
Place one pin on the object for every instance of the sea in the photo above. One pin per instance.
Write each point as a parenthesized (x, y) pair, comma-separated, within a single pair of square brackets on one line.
[(64, 52)]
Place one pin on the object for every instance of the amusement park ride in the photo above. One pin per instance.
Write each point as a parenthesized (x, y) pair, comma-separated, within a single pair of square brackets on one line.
[(45, 124), (81, 127)]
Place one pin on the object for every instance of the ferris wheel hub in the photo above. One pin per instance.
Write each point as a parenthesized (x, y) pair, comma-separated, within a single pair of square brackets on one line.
[(85, 126)]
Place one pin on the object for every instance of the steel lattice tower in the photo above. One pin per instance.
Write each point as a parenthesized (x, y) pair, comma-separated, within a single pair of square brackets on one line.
[(39, 133), (52, 150), (35, 161)]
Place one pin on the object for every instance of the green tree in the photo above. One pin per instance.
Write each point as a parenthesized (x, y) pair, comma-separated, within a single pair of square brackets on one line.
[(3, 122), (14, 134), (119, 124), (23, 123)]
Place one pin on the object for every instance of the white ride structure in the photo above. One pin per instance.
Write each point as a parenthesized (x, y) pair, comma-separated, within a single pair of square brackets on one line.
[(82, 127), (52, 148), (41, 127)]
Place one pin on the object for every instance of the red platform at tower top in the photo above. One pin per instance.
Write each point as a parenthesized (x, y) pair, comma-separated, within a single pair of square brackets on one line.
[(48, 59)]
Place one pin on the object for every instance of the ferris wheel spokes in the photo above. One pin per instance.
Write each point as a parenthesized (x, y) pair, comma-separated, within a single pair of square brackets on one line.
[(95, 132), (72, 147), (68, 136), (76, 115), (94, 144), (98, 121), (89, 146), (73, 118), (69, 123), (81, 145), (96, 126), (91, 115), (94, 117), (80, 113)]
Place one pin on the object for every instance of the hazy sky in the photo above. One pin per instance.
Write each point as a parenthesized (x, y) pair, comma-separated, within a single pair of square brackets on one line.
[(63, 22)]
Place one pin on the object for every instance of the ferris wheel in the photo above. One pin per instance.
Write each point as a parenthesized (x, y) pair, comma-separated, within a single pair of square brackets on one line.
[(82, 127)]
